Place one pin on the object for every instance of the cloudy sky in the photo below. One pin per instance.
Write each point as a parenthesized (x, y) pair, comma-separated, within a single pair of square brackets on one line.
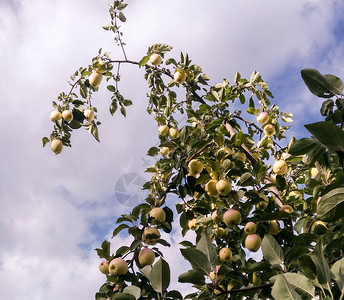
[(54, 210)]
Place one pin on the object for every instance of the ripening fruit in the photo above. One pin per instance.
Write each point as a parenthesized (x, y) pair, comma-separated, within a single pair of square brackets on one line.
[(104, 267), (262, 204), (179, 77), (95, 79), (314, 172), (296, 194), (253, 242), (250, 228), (195, 167), (151, 236), (56, 145), (263, 117), (118, 266), (223, 187), (155, 59), (192, 224), (274, 227), (146, 257), (280, 167), (210, 188), (163, 130), (158, 215), (232, 217), (225, 254), (216, 218), (269, 130), (287, 208), (174, 133), (89, 115), (55, 116), (221, 232), (164, 151), (67, 115)]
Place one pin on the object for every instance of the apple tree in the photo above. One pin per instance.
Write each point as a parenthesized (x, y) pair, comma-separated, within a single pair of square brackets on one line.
[(267, 214)]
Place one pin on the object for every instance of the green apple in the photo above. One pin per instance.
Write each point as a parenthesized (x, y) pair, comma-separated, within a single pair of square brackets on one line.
[(56, 145), (104, 267), (263, 117), (165, 151), (250, 228), (89, 115), (95, 78), (163, 130), (223, 187), (174, 133), (55, 116), (269, 130), (225, 254), (151, 236), (274, 227), (179, 77), (155, 59), (195, 167), (67, 115), (158, 215), (146, 257), (280, 167), (253, 242), (210, 188), (232, 217), (118, 266)]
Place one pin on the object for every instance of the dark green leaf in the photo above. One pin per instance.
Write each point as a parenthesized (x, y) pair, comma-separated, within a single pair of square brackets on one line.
[(192, 276), (119, 229), (327, 107), (123, 111), (321, 265), (207, 247), (160, 276), (337, 271), (111, 88), (122, 296), (122, 17), (336, 84), (331, 204), (45, 140), (317, 83), (302, 146), (197, 259)]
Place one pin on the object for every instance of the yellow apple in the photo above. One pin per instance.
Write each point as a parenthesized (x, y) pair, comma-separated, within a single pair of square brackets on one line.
[(225, 254), (223, 187), (232, 217), (146, 257), (56, 145), (158, 215), (155, 59), (192, 224), (210, 188), (55, 116), (174, 133), (250, 228), (151, 236), (95, 78), (274, 227), (179, 77), (67, 115), (118, 266), (263, 117), (163, 130), (104, 267), (165, 151), (195, 167), (253, 242), (280, 167), (269, 130), (89, 115), (314, 172)]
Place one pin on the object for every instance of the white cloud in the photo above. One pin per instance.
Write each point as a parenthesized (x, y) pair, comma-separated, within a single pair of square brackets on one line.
[(54, 209)]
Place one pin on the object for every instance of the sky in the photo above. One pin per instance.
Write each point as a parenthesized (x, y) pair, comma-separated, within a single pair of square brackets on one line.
[(55, 210)]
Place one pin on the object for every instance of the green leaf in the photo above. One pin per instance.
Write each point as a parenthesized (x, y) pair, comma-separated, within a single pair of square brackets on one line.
[(153, 151), (133, 290), (302, 146), (101, 296), (45, 140), (192, 276), (144, 60), (93, 129), (282, 290), (246, 179), (317, 83), (328, 134), (330, 207), (327, 107), (207, 247), (197, 259), (300, 283), (160, 276), (122, 296), (111, 88), (123, 111), (119, 229), (336, 84), (113, 107), (272, 251), (321, 265), (307, 266), (74, 124), (337, 271), (122, 17)]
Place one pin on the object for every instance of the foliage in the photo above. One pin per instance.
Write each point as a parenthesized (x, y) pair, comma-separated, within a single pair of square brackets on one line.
[(298, 213)]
